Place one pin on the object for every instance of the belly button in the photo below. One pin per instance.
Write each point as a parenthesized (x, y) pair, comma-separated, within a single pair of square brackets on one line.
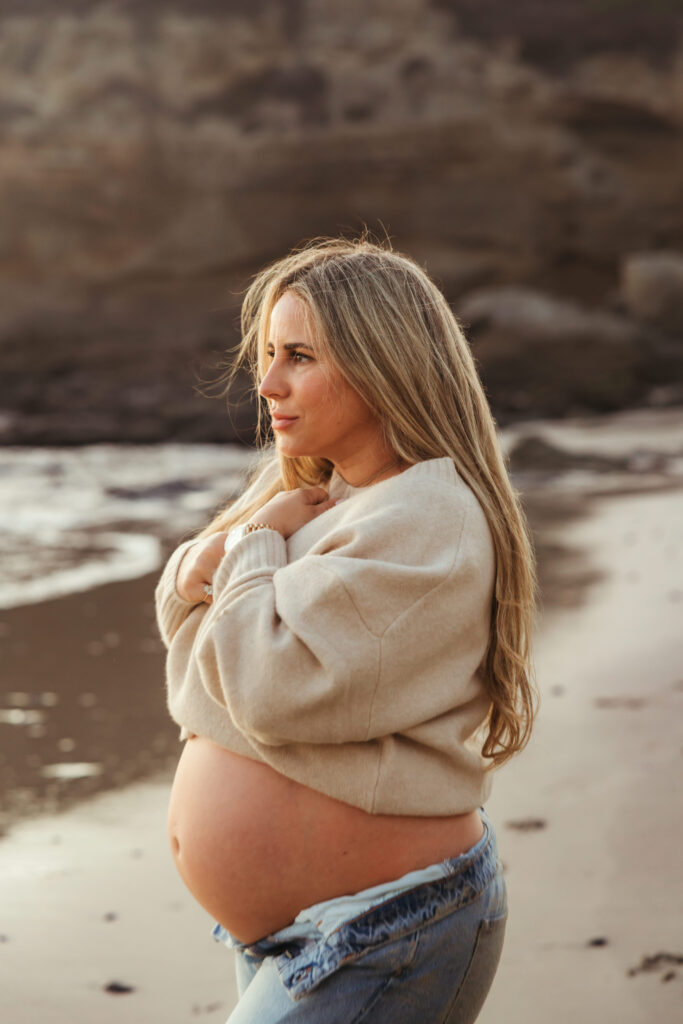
[(175, 846)]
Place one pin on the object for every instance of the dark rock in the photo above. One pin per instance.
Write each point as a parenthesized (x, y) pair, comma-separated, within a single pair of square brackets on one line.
[(556, 36), (536, 454), (544, 355), (656, 962), (137, 206), (118, 988), (652, 290)]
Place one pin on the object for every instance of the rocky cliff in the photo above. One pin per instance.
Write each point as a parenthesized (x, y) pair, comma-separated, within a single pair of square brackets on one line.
[(153, 155)]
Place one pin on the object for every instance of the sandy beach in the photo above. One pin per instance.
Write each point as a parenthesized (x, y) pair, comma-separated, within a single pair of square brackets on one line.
[(96, 925), (589, 820)]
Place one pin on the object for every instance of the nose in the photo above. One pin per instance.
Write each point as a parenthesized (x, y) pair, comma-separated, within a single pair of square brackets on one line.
[(273, 384)]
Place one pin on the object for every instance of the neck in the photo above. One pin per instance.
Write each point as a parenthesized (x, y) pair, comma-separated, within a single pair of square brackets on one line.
[(364, 475)]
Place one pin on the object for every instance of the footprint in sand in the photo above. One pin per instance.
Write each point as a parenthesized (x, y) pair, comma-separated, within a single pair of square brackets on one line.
[(632, 703), (527, 824)]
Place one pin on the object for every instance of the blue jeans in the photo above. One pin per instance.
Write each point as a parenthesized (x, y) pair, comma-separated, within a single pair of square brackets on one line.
[(428, 955)]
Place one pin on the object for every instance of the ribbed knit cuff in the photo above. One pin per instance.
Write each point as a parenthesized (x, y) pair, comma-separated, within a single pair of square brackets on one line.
[(172, 610), (260, 553)]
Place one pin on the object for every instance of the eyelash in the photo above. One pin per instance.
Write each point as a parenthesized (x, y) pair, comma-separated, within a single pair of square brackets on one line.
[(294, 353)]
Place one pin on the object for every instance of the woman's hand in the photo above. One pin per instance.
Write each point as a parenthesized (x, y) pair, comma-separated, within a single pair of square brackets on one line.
[(288, 511), (197, 567)]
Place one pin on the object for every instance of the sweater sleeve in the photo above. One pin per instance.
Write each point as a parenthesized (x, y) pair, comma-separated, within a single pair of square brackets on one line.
[(296, 653), (171, 609)]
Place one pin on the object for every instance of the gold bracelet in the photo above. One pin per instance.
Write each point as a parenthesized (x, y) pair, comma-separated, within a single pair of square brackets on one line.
[(235, 535), (250, 527)]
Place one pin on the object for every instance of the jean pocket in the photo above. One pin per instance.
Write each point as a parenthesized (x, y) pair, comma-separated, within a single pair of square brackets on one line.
[(480, 971)]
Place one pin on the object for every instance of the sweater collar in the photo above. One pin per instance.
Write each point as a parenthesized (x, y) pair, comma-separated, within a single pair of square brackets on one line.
[(339, 488)]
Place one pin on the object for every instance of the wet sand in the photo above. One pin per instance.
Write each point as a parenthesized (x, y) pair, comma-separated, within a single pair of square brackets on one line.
[(82, 706), (95, 924), (588, 818)]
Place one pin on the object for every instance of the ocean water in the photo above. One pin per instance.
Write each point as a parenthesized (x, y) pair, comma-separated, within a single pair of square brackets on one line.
[(74, 518)]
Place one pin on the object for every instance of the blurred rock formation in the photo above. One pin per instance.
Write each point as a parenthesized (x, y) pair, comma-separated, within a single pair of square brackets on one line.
[(154, 155)]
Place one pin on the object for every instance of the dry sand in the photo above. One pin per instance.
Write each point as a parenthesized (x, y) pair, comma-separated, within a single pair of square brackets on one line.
[(589, 823), (602, 774)]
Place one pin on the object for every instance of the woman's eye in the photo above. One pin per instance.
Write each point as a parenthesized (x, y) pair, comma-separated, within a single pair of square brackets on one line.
[(294, 355)]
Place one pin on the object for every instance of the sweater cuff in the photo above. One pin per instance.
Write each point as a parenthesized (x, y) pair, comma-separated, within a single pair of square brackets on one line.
[(172, 610), (260, 553)]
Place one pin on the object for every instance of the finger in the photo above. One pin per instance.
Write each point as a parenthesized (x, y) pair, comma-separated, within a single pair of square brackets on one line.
[(314, 495), (323, 506)]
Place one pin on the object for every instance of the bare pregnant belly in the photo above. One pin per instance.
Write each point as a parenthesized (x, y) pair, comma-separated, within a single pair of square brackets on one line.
[(255, 848)]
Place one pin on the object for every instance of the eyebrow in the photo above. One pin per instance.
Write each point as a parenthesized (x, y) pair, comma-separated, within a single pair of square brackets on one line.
[(292, 345)]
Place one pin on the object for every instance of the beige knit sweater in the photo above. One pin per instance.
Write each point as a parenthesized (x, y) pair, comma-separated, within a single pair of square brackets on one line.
[(348, 657)]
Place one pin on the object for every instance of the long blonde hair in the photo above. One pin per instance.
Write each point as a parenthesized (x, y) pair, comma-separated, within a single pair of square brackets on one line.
[(379, 319)]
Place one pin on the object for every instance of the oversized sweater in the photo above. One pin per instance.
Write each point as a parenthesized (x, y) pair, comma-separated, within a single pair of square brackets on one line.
[(349, 656)]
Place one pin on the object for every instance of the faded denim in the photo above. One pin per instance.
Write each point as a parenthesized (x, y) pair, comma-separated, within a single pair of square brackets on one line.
[(427, 956)]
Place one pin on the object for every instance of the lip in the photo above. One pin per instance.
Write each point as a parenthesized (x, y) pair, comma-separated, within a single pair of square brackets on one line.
[(280, 422)]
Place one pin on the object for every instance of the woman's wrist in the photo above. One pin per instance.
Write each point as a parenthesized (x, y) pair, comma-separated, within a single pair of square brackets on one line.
[(257, 524), (251, 526)]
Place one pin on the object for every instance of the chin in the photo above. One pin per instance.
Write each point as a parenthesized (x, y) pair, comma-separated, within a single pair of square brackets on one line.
[(297, 451)]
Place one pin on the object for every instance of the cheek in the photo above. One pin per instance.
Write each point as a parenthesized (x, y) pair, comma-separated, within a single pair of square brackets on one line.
[(341, 408), (351, 407), (333, 402), (318, 396)]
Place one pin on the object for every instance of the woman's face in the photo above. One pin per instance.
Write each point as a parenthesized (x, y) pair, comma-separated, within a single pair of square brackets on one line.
[(314, 411)]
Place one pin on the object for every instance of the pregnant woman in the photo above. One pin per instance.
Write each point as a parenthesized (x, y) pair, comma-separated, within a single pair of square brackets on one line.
[(348, 658)]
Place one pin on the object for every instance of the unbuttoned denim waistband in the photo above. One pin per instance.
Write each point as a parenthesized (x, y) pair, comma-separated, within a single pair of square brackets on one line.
[(303, 965)]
